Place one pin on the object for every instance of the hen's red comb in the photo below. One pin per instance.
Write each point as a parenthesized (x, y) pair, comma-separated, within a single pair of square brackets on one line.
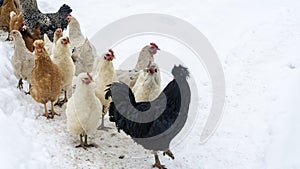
[(111, 52), (153, 44)]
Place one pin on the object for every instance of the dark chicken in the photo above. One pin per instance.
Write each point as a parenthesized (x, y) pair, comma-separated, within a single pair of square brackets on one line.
[(48, 22), (152, 124)]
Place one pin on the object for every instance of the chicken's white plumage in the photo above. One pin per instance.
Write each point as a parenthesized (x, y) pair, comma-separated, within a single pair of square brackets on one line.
[(75, 34), (146, 55), (147, 87), (62, 58), (22, 60), (83, 108), (84, 57)]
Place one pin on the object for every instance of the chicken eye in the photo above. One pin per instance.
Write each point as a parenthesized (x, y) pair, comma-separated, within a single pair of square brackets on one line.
[(107, 54), (155, 70)]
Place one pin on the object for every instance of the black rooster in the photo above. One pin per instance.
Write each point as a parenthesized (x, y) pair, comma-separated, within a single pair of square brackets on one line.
[(48, 22), (152, 124)]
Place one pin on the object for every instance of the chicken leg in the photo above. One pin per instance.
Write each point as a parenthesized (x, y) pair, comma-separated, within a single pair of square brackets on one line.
[(62, 102), (157, 163), (84, 143), (169, 153), (20, 84), (102, 127), (52, 110), (46, 114)]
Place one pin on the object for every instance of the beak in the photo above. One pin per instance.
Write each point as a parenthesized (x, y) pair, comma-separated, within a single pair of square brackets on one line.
[(158, 49)]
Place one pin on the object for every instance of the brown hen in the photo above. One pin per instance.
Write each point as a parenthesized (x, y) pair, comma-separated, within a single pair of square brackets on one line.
[(46, 79)]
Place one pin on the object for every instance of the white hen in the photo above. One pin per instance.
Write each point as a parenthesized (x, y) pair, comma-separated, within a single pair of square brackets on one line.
[(49, 46), (104, 75), (22, 60), (62, 58), (83, 109), (146, 55), (75, 34), (84, 52), (147, 87), (84, 57)]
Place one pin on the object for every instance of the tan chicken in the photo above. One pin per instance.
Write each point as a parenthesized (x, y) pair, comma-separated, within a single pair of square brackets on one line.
[(49, 46), (104, 75), (46, 79), (6, 8), (17, 23), (22, 60), (146, 55), (147, 87), (62, 58)]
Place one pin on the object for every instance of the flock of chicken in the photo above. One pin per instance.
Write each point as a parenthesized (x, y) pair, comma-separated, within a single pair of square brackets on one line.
[(49, 65)]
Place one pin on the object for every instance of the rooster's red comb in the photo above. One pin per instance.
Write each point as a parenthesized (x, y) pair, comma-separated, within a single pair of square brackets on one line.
[(153, 44), (111, 52)]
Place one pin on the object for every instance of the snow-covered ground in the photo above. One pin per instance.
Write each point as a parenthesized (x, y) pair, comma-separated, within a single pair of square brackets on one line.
[(258, 43)]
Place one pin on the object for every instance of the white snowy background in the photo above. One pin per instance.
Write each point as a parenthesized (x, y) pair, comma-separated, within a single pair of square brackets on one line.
[(258, 44)]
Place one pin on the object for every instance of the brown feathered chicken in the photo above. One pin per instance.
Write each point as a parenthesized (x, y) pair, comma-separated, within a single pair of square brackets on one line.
[(104, 75), (17, 23), (6, 8), (129, 77), (46, 79)]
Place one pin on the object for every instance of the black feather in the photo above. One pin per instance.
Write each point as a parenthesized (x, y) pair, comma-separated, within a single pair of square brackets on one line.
[(151, 122), (48, 22)]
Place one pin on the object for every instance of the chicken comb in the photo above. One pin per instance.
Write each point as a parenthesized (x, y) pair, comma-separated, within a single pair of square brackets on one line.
[(153, 44), (91, 78), (111, 52)]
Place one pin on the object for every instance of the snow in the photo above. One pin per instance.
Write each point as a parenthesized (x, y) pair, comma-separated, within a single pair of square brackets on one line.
[(257, 42)]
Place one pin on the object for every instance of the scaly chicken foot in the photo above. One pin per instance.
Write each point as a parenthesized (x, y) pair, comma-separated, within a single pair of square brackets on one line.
[(102, 127), (169, 153), (20, 84), (157, 163), (84, 143), (60, 103), (53, 113), (46, 114)]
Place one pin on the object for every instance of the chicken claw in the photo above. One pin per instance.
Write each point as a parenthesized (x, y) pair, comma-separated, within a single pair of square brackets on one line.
[(159, 166), (157, 163), (84, 144), (52, 110), (169, 153), (102, 127), (60, 103), (46, 114), (20, 84)]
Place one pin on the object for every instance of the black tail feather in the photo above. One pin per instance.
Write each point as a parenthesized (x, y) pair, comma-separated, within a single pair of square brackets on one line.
[(65, 9)]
